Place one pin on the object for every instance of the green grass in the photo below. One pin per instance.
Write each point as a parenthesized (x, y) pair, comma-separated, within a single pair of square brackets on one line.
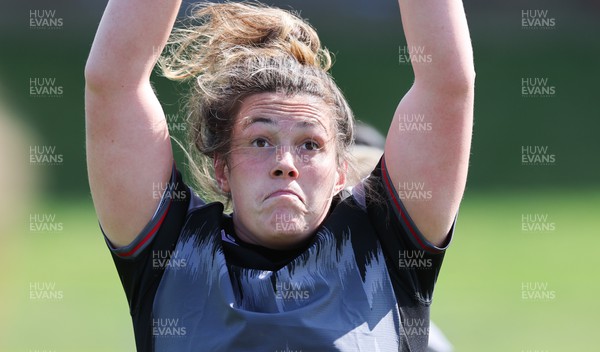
[(93, 313), (478, 302)]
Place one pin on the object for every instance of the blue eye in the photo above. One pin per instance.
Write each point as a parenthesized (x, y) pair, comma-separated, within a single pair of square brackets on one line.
[(260, 143)]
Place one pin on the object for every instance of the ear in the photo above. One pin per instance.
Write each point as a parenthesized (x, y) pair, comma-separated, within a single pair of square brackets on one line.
[(222, 173), (340, 174)]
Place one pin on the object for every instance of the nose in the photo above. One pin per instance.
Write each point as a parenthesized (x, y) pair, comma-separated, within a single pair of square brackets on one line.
[(284, 163)]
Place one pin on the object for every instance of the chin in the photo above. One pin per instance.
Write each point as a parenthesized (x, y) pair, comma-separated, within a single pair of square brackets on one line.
[(288, 222)]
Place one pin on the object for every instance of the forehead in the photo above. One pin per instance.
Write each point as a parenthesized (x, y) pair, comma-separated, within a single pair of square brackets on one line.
[(280, 109)]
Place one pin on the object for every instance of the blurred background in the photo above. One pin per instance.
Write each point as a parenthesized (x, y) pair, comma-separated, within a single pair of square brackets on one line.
[(521, 274)]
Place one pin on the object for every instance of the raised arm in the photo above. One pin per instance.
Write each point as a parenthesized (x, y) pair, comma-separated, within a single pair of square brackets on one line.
[(128, 146), (428, 143)]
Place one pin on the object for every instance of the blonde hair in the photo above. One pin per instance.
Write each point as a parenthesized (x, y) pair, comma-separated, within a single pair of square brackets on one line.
[(233, 50)]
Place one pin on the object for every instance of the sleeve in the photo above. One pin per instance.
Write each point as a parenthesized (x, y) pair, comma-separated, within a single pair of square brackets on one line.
[(412, 261), (141, 264)]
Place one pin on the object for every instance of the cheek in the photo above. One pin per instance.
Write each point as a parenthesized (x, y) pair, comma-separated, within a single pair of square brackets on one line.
[(248, 174), (251, 159), (321, 174)]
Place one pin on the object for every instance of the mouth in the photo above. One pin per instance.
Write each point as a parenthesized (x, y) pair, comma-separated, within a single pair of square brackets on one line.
[(284, 193)]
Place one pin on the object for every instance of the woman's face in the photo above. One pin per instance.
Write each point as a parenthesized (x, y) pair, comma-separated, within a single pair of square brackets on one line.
[(282, 171)]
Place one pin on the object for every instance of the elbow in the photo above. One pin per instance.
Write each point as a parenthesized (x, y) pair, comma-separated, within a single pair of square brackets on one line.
[(103, 76), (453, 79), (466, 74), (462, 70), (94, 79), (466, 86), (461, 79), (469, 78), (459, 82)]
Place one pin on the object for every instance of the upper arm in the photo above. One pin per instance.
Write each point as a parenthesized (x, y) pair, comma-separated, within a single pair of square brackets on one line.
[(427, 154), (427, 147), (129, 157)]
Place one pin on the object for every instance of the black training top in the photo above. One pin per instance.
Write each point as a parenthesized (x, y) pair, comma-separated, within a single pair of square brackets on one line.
[(363, 283)]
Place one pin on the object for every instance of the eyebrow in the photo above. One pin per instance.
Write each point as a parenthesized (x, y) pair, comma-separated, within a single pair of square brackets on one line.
[(248, 121)]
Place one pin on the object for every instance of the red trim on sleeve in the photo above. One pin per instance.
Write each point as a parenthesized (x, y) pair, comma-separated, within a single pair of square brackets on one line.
[(149, 235), (411, 230)]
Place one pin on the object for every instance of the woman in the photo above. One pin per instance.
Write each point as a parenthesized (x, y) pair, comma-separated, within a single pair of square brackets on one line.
[(293, 267)]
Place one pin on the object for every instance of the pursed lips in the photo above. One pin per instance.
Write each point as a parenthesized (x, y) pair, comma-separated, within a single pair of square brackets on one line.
[(282, 192)]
